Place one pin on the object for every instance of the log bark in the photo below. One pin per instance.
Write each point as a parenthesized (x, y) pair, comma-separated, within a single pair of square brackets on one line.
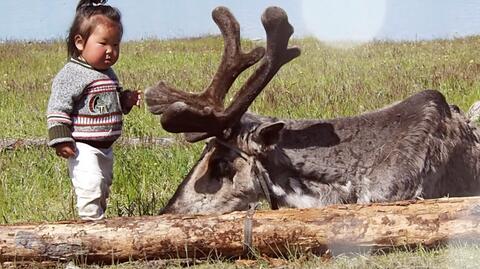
[(338, 228)]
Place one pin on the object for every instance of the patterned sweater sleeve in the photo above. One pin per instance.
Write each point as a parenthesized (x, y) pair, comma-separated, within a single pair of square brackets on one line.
[(66, 89)]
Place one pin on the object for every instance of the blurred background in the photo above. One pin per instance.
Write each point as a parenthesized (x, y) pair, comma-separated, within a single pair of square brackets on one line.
[(327, 20)]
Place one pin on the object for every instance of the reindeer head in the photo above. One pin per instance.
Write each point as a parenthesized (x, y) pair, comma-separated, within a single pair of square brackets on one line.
[(226, 176)]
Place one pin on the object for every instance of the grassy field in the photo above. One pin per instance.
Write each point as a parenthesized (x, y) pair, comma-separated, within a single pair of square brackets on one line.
[(327, 82)]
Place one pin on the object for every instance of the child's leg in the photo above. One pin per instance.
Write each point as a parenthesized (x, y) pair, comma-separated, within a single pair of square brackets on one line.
[(91, 173), (107, 171)]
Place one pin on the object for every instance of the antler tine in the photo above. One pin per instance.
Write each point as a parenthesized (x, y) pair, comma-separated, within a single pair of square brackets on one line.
[(234, 61), (279, 30)]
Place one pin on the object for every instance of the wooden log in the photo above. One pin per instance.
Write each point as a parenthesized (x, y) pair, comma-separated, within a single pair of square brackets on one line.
[(336, 228)]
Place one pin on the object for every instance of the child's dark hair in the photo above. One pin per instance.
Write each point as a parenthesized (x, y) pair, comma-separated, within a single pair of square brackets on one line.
[(86, 9)]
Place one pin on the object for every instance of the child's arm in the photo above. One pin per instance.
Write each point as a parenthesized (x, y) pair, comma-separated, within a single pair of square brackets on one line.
[(60, 105), (128, 99)]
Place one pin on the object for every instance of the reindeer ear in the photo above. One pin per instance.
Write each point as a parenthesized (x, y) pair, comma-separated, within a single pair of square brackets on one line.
[(268, 134)]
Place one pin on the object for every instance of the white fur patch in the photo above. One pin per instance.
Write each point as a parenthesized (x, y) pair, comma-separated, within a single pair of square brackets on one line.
[(278, 191), (364, 197), (302, 201)]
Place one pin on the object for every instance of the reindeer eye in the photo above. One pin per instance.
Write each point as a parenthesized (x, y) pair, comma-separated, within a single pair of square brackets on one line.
[(221, 167)]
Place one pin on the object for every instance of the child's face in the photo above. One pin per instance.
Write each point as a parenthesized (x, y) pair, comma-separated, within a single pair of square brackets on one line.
[(102, 49)]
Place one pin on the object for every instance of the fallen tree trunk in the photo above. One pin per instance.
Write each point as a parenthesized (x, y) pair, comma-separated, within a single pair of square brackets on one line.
[(337, 228)]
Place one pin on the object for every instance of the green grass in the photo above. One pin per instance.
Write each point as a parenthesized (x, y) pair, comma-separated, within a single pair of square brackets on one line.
[(323, 82), (35, 185)]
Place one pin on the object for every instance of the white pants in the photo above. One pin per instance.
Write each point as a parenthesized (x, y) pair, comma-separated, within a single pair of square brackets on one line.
[(91, 170)]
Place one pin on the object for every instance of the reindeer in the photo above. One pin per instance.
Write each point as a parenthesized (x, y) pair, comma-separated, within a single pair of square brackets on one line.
[(418, 148)]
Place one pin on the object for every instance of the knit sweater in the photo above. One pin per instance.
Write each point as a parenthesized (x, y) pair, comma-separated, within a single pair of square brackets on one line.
[(84, 105)]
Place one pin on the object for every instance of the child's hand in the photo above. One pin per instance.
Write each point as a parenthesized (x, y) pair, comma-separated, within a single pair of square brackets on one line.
[(132, 98), (65, 150), (129, 99)]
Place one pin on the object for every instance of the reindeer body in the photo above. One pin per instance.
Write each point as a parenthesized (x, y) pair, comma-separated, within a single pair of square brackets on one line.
[(418, 148)]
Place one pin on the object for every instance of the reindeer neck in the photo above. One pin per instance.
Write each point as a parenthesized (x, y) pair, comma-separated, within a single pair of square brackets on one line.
[(303, 176)]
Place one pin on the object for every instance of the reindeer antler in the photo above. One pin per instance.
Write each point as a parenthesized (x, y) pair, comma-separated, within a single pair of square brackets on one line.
[(275, 22), (204, 113), (162, 97)]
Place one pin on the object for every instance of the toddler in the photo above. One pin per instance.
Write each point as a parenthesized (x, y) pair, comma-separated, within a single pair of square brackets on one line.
[(86, 105)]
